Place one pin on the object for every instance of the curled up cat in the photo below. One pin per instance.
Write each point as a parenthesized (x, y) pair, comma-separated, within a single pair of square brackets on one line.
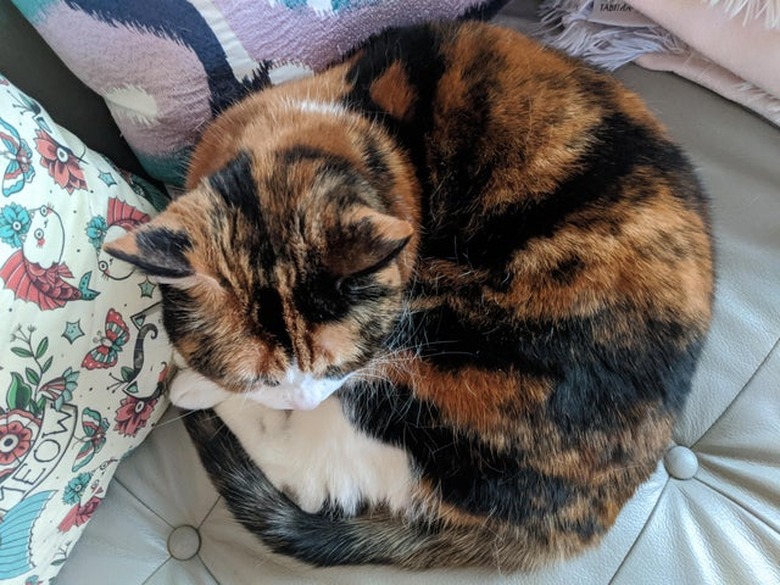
[(438, 305)]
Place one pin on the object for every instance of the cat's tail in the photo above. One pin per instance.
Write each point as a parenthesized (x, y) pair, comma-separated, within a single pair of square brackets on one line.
[(328, 540)]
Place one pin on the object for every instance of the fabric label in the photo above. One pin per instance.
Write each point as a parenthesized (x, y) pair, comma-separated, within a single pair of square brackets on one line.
[(618, 13)]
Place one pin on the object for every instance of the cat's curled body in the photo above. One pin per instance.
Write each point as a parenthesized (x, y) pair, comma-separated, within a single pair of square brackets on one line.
[(493, 251)]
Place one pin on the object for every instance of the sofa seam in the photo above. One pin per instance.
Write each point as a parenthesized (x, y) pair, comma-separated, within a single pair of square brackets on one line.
[(207, 569), (157, 570), (737, 504), (641, 532), (140, 501), (206, 516), (200, 557), (747, 383)]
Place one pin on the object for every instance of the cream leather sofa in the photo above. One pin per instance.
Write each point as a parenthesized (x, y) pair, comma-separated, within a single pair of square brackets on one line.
[(709, 515)]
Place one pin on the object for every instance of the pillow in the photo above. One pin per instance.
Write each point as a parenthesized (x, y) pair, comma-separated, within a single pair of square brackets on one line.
[(83, 354), (192, 59)]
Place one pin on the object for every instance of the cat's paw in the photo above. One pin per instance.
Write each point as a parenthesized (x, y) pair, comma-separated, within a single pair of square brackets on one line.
[(192, 391)]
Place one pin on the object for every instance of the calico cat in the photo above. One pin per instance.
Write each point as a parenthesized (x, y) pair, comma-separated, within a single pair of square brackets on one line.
[(448, 297)]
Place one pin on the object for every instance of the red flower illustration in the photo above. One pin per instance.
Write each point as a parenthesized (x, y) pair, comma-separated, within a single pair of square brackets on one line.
[(60, 161), (132, 415), (18, 431), (80, 514)]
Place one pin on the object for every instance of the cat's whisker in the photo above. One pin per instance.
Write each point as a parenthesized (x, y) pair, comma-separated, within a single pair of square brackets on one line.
[(370, 375), (185, 414)]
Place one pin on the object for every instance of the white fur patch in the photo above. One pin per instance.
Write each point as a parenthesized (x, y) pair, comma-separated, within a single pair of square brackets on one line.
[(192, 391), (316, 453), (319, 455), (318, 107), (298, 391)]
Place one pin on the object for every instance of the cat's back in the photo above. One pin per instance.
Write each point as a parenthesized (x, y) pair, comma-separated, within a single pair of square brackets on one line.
[(566, 236), (533, 159), (561, 288)]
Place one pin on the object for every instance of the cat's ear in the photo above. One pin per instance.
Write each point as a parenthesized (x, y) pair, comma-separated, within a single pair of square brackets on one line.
[(159, 248), (368, 240)]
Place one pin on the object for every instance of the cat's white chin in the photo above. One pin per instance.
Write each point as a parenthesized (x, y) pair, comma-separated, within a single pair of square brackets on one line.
[(298, 391)]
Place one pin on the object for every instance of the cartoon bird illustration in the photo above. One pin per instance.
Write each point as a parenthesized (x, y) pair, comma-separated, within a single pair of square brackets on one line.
[(35, 272), (120, 219)]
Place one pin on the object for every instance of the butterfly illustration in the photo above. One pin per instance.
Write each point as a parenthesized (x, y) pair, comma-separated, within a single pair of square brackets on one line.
[(112, 341), (94, 427), (60, 389), (19, 169)]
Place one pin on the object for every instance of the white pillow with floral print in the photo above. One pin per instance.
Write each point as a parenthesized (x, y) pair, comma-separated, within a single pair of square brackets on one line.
[(83, 354)]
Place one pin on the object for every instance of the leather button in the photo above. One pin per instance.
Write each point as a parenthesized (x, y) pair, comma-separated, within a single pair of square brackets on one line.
[(681, 462), (183, 542)]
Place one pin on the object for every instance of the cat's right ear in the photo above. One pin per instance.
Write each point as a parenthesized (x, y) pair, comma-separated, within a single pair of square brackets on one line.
[(159, 248)]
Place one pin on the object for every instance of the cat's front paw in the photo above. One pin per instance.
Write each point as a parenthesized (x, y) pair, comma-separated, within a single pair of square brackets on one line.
[(192, 391)]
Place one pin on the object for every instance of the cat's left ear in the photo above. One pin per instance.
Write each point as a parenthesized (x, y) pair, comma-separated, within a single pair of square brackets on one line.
[(160, 248)]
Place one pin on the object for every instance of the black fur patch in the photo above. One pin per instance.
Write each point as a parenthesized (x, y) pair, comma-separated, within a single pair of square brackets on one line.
[(469, 474), (270, 316), (462, 168), (376, 161), (175, 311), (317, 298), (178, 322), (566, 271), (418, 49), (236, 184), (612, 156), (596, 383), (301, 152)]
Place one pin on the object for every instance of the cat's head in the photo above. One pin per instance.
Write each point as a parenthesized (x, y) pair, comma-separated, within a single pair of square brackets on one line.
[(285, 266)]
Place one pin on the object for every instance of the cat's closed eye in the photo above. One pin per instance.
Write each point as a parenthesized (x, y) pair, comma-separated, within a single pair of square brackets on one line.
[(353, 284), (345, 285)]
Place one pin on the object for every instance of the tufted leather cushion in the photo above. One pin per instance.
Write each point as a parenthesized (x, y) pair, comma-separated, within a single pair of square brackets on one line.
[(710, 513)]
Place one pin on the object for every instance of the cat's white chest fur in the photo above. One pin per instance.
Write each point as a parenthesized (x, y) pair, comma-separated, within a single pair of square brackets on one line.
[(316, 456)]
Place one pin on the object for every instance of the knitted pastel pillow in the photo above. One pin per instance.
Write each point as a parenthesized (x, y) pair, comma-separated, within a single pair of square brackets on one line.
[(166, 67)]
